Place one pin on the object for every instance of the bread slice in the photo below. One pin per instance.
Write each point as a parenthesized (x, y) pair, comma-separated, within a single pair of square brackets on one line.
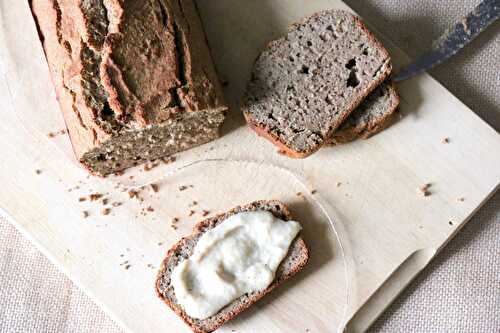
[(304, 85), (373, 115), (296, 259)]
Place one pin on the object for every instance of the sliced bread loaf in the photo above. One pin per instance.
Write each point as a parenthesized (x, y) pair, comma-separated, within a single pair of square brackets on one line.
[(304, 85), (296, 259), (135, 79), (372, 116)]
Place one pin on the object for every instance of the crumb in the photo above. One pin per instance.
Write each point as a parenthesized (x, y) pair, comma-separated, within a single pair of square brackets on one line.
[(450, 222), (133, 194), (424, 190), (299, 194), (128, 266), (154, 187), (339, 184), (51, 134), (191, 213), (160, 243), (82, 199), (105, 201), (173, 226), (95, 196), (106, 211), (314, 192), (150, 209), (461, 199), (38, 171), (175, 220), (183, 188), (116, 204), (119, 173), (150, 165), (446, 140), (168, 160), (85, 214), (122, 255), (130, 177), (205, 212), (194, 203)]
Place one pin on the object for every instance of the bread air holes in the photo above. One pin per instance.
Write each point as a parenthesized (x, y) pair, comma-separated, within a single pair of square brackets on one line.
[(351, 64), (304, 70), (353, 80)]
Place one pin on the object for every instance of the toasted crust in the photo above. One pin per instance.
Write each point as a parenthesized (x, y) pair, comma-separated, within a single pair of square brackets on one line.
[(165, 291)]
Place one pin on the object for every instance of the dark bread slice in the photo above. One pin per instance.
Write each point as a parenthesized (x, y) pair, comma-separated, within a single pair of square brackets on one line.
[(372, 116), (304, 85), (296, 259)]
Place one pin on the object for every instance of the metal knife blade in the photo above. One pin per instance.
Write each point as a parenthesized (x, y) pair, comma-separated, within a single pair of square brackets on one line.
[(454, 39)]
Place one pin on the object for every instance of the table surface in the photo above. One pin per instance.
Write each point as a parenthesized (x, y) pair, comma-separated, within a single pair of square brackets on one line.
[(458, 292)]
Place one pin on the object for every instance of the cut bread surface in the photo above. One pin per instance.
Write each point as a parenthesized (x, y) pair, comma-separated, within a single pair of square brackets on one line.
[(304, 85), (373, 115), (296, 259)]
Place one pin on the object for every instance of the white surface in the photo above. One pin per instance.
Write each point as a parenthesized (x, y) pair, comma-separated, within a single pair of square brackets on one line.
[(361, 144)]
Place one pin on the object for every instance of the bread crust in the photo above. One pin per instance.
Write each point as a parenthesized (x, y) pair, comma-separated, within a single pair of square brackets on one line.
[(110, 83), (209, 325)]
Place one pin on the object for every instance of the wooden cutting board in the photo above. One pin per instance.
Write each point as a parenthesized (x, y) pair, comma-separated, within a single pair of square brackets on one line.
[(385, 231)]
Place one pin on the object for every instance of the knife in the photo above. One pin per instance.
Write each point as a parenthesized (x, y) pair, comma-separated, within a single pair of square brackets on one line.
[(454, 39)]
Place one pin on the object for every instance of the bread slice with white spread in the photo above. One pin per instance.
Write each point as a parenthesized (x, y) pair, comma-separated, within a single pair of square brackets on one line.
[(305, 84), (296, 258)]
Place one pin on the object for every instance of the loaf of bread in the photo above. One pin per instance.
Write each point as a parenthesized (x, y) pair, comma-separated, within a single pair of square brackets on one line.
[(373, 115), (304, 85), (134, 79), (296, 259)]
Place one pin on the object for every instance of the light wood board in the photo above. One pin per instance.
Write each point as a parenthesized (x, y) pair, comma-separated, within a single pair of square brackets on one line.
[(389, 231)]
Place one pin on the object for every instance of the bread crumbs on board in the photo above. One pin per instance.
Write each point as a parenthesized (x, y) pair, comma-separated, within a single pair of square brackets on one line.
[(82, 199), (127, 266), (461, 199), (154, 187), (133, 194), (424, 189), (446, 140), (38, 171), (106, 211), (95, 196), (205, 212), (85, 214)]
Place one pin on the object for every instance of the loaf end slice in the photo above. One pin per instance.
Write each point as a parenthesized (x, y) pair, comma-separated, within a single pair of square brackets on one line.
[(296, 259), (372, 116), (304, 85)]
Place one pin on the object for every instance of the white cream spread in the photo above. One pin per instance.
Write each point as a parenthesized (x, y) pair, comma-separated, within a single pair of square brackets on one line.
[(240, 255)]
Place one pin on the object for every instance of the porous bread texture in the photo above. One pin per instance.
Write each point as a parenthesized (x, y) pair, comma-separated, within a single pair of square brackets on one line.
[(304, 85)]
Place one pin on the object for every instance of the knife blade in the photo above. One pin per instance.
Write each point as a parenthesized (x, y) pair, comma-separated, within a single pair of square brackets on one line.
[(454, 39)]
